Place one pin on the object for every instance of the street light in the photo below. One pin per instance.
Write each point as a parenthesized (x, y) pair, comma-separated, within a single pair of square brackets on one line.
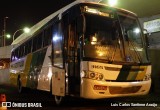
[(8, 36), (112, 2), (109, 2), (25, 30)]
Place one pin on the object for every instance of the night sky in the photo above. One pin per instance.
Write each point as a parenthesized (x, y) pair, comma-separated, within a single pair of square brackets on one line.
[(23, 13)]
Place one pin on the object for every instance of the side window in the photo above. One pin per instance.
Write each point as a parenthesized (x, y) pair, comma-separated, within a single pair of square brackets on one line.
[(16, 54), (13, 55), (57, 46), (28, 47), (66, 34), (35, 41), (21, 51), (39, 40), (47, 36)]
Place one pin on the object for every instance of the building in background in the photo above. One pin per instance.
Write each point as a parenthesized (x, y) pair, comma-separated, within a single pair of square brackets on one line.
[(152, 24)]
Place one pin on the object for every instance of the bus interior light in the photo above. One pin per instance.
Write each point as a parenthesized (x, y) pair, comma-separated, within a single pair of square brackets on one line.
[(93, 40), (55, 38)]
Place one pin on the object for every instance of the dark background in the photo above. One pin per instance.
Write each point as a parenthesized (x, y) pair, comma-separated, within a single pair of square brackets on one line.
[(22, 13)]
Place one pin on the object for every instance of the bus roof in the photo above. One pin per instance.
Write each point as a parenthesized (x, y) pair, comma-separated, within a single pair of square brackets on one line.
[(25, 36)]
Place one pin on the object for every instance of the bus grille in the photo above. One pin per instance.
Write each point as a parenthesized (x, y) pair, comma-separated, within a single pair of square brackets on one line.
[(123, 90)]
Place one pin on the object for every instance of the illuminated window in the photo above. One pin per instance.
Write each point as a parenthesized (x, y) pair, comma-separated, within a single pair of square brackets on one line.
[(57, 47)]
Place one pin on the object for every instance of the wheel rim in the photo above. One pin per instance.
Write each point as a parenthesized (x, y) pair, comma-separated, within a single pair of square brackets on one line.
[(58, 99)]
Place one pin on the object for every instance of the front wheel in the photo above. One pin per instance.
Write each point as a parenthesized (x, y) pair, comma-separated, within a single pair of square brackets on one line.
[(58, 99), (19, 84)]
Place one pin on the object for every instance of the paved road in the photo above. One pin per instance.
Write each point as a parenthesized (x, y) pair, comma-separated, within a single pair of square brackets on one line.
[(45, 99)]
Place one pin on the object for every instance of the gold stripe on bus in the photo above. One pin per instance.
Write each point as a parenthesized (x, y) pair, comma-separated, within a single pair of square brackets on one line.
[(141, 74), (26, 69), (133, 74)]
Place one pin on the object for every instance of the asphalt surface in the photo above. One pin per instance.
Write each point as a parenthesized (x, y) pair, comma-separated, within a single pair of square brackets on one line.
[(45, 101)]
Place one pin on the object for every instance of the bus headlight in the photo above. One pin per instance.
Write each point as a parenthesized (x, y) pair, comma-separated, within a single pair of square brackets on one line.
[(95, 76), (92, 75)]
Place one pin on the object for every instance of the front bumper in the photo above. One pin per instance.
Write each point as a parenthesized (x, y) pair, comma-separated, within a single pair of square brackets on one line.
[(113, 89)]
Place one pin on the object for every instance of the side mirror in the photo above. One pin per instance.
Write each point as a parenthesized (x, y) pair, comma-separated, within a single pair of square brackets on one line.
[(146, 36), (145, 31)]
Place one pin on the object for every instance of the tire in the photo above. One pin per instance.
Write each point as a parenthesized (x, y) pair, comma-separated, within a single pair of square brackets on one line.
[(19, 85), (51, 86), (58, 99)]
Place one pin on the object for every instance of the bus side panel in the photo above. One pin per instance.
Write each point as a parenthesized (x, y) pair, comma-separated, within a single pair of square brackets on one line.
[(26, 70), (35, 68), (13, 79), (46, 72)]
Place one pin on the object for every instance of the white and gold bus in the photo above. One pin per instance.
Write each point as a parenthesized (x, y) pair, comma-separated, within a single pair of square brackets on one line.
[(87, 50)]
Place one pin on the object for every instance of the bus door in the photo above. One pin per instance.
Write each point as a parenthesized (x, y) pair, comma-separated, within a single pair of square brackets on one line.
[(58, 76), (73, 60)]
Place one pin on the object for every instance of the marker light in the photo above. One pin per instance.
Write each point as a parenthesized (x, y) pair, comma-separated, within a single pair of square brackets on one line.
[(96, 11)]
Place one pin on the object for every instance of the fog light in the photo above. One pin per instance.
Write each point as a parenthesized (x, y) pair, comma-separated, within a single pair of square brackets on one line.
[(101, 76)]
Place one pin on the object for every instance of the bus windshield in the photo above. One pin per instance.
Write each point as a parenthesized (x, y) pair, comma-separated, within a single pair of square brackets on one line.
[(113, 39)]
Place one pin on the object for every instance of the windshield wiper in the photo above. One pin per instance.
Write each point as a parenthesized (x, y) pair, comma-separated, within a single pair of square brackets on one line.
[(113, 52), (134, 48)]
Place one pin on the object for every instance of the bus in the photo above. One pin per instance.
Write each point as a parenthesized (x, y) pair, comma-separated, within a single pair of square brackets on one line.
[(87, 50)]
